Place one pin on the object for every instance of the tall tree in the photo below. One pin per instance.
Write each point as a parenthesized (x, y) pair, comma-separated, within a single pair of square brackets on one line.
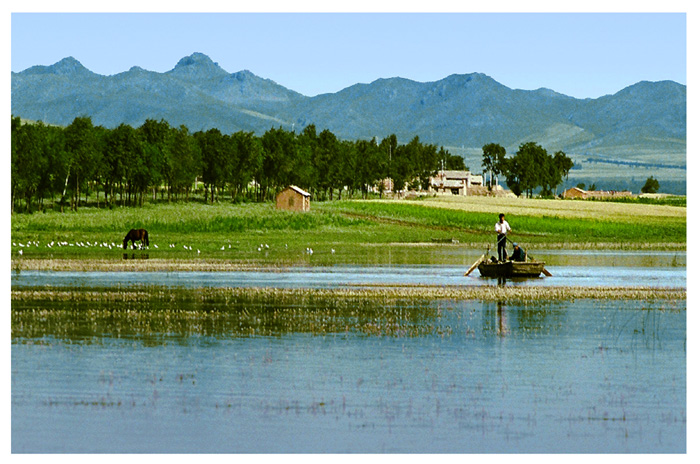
[(184, 162), (493, 160), (215, 160), (81, 144), (156, 138), (249, 158), (451, 162), (651, 185)]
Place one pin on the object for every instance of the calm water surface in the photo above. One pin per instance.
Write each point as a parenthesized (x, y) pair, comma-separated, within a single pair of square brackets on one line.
[(586, 376), (357, 276), (569, 268)]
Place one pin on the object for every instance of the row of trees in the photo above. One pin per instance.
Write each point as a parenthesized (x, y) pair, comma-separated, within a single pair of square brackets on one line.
[(531, 167), (128, 164)]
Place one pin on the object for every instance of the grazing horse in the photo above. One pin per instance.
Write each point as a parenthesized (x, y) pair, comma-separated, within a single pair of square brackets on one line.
[(136, 235)]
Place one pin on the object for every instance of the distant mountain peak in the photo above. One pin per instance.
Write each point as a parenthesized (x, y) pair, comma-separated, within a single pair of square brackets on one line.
[(66, 66), (242, 75), (195, 59), (197, 65)]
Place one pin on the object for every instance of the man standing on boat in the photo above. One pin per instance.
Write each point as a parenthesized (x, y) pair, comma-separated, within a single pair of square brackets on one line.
[(502, 228)]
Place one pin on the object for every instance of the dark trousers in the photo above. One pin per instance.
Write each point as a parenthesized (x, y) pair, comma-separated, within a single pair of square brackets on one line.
[(502, 252)]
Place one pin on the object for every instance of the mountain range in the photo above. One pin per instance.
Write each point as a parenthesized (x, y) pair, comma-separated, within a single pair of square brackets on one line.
[(644, 121)]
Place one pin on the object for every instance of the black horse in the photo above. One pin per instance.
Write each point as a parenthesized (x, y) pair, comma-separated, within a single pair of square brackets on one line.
[(136, 235)]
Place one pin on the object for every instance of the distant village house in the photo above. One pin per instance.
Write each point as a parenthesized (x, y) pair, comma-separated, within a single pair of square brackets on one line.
[(294, 199), (456, 183), (577, 193)]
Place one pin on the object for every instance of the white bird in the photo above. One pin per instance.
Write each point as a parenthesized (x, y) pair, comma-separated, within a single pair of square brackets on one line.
[(20, 252), (267, 246), (14, 244), (332, 251), (155, 246), (198, 252), (222, 248), (184, 246), (22, 245)]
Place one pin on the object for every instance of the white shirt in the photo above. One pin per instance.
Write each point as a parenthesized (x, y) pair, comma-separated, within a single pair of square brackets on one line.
[(502, 227)]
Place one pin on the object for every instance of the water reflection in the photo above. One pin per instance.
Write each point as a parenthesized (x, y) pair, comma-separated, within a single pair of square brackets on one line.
[(301, 374), (502, 322), (156, 321)]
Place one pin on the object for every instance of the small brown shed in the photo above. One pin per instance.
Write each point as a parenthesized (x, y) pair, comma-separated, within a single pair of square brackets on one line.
[(575, 192), (294, 199)]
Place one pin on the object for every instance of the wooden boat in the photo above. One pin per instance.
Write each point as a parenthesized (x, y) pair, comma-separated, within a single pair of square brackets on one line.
[(511, 269)]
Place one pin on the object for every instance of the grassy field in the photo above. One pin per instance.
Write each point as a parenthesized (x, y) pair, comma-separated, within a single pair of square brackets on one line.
[(258, 234)]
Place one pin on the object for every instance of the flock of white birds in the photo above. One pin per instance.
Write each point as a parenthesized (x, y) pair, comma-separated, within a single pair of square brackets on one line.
[(111, 245)]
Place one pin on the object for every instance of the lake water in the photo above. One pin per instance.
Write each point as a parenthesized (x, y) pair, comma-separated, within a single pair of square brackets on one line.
[(357, 276), (407, 376), (589, 376)]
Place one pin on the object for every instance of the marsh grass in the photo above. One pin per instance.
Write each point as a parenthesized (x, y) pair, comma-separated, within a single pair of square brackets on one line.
[(159, 313)]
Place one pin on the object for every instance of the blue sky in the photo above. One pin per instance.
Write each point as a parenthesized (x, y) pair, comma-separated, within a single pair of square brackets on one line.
[(585, 55)]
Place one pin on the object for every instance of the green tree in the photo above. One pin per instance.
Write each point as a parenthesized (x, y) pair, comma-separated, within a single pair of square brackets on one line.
[(115, 162), (28, 161), (368, 166), (426, 161), (280, 158), (328, 155), (402, 167), (216, 157), (308, 167), (184, 163), (493, 160), (81, 144), (248, 161), (524, 172), (156, 138), (451, 162), (556, 168), (651, 185)]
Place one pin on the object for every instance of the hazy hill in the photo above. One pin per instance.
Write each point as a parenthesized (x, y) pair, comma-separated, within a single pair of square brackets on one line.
[(647, 119)]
